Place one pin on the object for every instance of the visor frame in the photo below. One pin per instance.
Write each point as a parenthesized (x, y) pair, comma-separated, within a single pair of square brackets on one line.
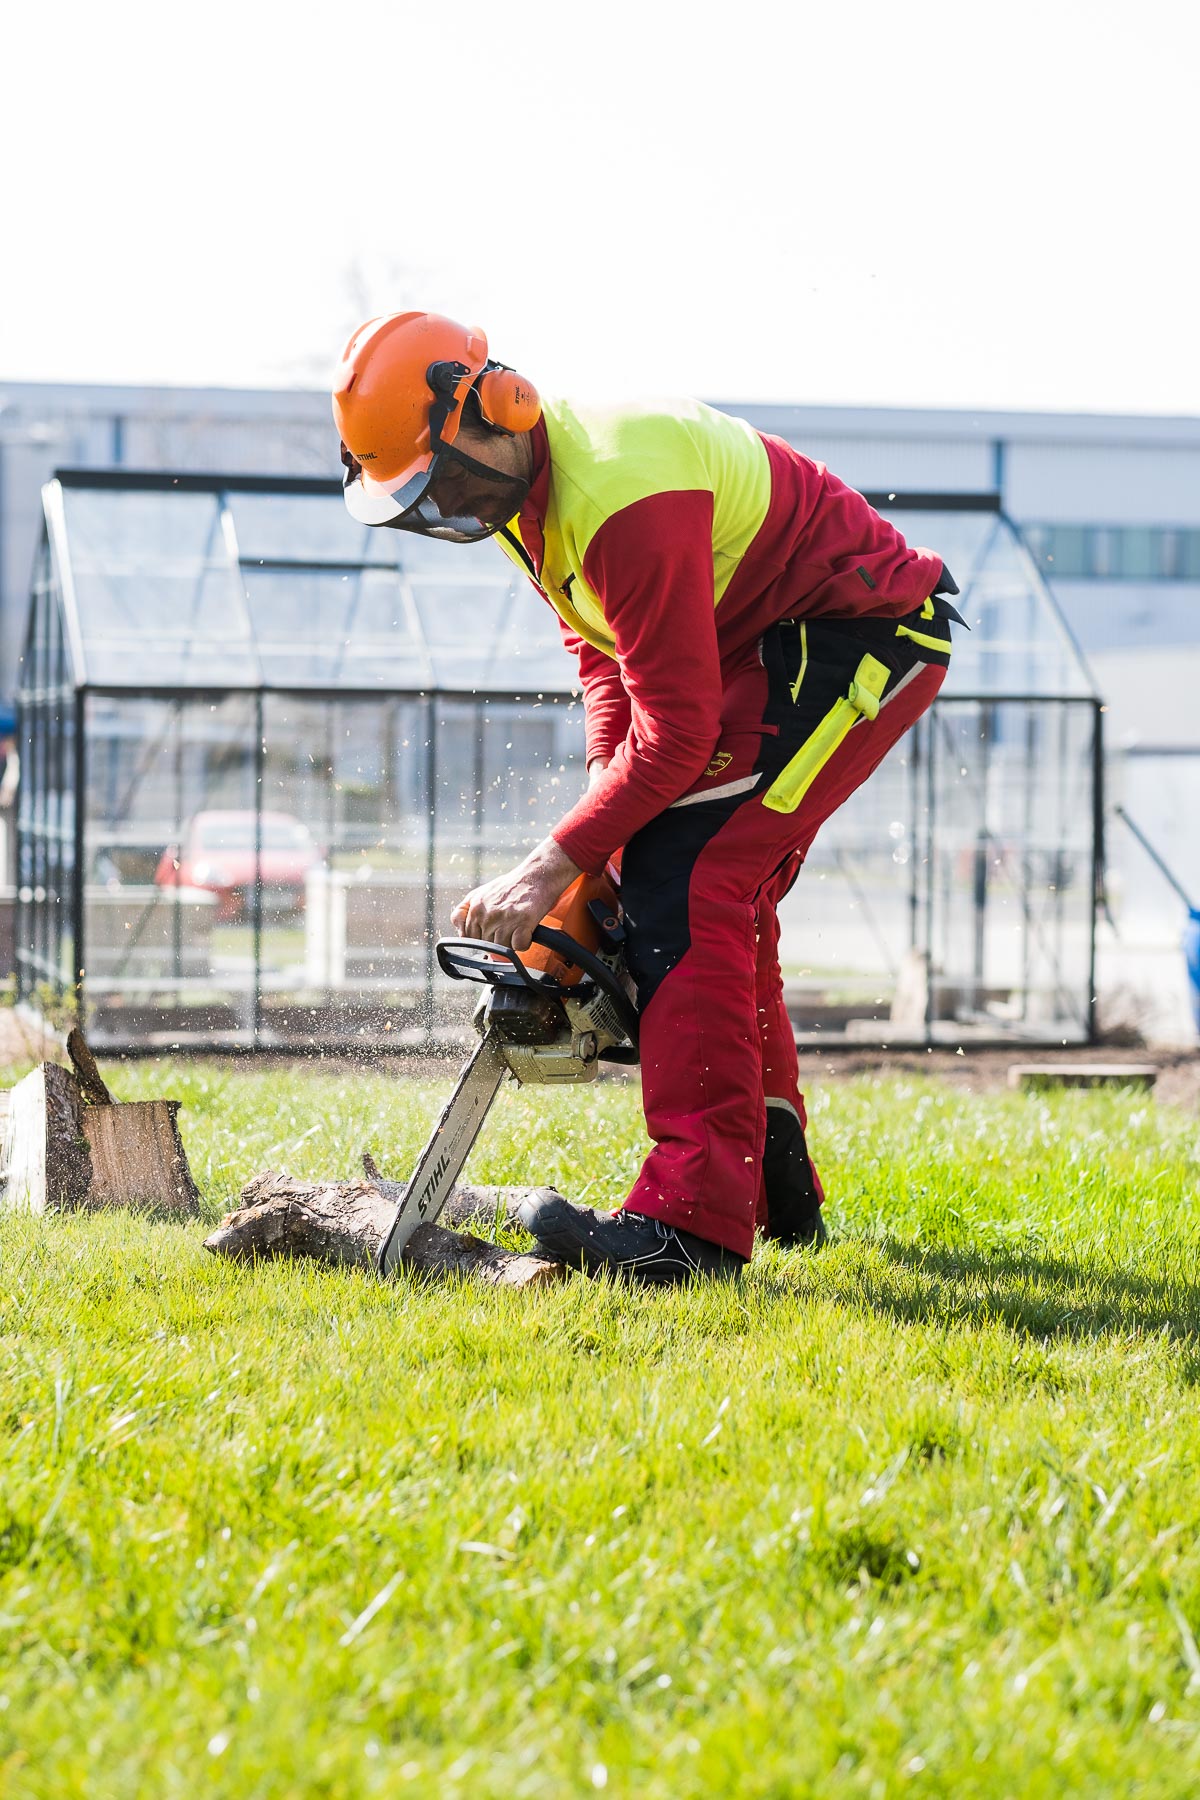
[(401, 508), (371, 503)]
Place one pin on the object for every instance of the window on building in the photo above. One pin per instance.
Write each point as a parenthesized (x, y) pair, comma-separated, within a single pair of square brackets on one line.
[(1115, 552)]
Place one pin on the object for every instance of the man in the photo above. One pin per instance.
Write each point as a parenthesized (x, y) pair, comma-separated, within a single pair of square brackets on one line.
[(752, 638)]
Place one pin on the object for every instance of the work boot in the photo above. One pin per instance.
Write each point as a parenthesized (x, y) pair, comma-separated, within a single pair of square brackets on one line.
[(627, 1244), (793, 1203)]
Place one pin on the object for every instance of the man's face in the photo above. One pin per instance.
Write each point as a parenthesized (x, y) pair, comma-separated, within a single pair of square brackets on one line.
[(460, 503), (458, 493)]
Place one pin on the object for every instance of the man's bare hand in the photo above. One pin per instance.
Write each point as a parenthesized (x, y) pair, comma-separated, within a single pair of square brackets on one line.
[(505, 911)]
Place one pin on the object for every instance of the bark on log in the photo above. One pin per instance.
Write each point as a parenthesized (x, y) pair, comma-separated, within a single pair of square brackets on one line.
[(464, 1203), (343, 1222), (46, 1162), (91, 1082)]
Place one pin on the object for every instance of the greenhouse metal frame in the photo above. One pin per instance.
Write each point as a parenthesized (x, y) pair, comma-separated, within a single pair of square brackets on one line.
[(208, 656)]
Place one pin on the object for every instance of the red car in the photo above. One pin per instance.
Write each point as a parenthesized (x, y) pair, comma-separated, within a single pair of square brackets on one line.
[(217, 854)]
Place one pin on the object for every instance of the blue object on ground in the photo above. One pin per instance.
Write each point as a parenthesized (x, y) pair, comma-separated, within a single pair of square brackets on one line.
[(1191, 948)]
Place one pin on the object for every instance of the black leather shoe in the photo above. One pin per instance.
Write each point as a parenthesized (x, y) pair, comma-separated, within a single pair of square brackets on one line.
[(793, 1204), (626, 1244)]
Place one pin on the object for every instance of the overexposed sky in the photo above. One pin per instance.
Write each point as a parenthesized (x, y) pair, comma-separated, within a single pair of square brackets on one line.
[(935, 203)]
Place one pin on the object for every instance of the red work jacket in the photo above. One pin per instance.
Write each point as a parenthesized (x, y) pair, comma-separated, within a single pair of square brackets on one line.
[(667, 537)]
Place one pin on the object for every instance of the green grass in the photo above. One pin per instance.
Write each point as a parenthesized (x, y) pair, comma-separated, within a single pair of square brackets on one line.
[(917, 1516)]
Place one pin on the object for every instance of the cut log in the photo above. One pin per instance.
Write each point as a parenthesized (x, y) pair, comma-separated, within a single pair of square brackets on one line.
[(138, 1157), (344, 1222), (68, 1143)]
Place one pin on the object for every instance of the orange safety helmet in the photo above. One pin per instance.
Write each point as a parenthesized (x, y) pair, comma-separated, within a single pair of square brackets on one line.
[(398, 395)]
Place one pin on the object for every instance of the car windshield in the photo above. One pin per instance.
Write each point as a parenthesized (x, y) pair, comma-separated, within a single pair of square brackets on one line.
[(238, 834)]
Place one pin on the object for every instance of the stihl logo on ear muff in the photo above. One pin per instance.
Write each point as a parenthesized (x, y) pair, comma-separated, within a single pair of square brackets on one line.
[(507, 400)]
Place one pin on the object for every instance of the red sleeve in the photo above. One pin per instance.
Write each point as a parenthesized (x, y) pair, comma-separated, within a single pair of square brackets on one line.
[(651, 566), (605, 702)]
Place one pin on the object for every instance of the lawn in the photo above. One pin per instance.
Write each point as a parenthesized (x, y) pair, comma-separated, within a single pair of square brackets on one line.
[(916, 1516)]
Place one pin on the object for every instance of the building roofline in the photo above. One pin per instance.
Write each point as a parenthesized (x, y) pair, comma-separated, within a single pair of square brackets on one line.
[(306, 403), (193, 481), (1158, 429), (215, 481), (157, 401)]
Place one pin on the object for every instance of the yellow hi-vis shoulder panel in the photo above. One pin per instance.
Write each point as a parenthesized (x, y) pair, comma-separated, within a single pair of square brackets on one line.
[(605, 459)]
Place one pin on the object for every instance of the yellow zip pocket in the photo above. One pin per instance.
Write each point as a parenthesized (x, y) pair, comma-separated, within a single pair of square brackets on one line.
[(862, 702)]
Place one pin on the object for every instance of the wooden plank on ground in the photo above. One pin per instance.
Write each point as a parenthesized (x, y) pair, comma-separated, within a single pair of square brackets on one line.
[(1033, 1076)]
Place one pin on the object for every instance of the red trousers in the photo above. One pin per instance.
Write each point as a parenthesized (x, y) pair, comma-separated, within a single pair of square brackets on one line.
[(700, 887)]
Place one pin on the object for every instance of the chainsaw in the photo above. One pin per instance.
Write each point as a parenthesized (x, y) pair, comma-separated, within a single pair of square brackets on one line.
[(550, 1016)]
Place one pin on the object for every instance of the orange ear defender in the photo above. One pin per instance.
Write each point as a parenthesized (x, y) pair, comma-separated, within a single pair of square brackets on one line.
[(507, 400)]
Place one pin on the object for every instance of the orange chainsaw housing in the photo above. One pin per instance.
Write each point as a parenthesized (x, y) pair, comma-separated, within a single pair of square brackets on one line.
[(570, 914)]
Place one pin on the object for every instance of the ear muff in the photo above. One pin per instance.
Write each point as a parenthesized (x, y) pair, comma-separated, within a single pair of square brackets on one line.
[(507, 400)]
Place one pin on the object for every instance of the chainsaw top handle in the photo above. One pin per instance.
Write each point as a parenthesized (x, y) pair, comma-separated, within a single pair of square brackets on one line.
[(475, 959)]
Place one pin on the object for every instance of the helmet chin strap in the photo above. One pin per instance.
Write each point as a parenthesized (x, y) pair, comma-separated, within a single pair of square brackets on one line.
[(456, 454)]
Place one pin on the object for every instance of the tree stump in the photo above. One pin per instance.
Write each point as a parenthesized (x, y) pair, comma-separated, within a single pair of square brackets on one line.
[(344, 1222), (68, 1144)]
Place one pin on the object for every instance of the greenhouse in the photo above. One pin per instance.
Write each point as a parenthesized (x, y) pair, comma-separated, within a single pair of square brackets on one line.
[(264, 750)]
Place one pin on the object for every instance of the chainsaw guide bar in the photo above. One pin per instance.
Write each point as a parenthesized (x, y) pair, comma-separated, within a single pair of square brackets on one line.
[(549, 1026)]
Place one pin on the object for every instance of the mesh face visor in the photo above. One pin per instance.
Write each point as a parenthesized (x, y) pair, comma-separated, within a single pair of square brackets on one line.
[(418, 505)]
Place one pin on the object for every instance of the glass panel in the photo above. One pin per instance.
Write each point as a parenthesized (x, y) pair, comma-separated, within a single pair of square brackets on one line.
[(45, 850), (304, 528), (1103, 550), (505, 774), (1142, 553), (335, 628), (461, 623), (846, 927), (1040, 541), (1017, 642), (530, 654), (351, 957), (449, 562), (129, 529), (1011, 865), (158, 603), (168, 878), (1068, 553), (355, 960), (951, 899)]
